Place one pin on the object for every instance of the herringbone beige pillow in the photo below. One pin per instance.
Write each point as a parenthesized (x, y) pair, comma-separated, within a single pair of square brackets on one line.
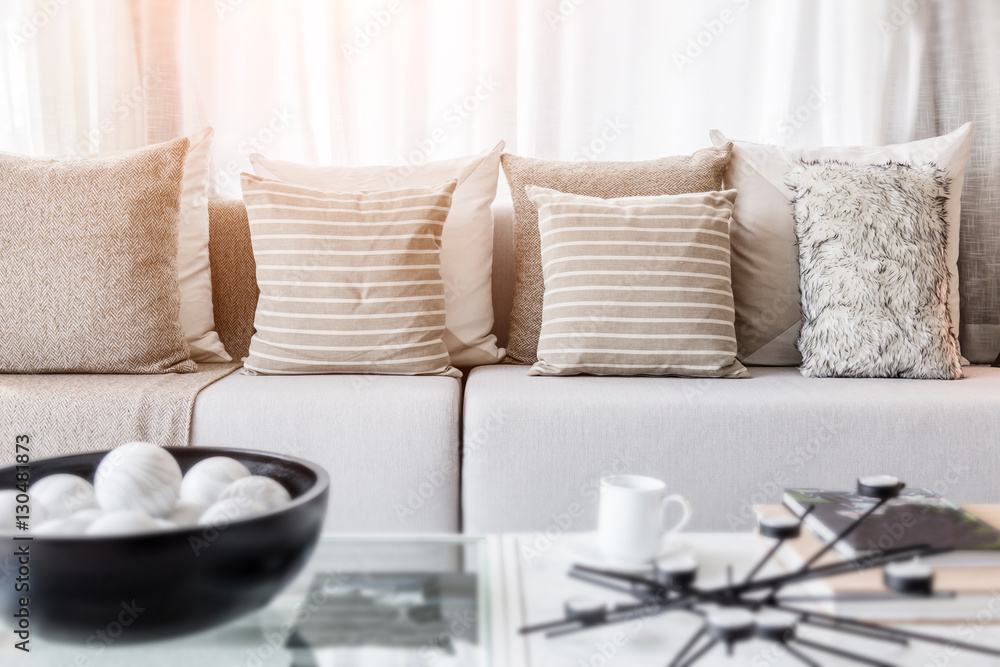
[(88, 263), (636, 285), (350, 282), (700, 172)]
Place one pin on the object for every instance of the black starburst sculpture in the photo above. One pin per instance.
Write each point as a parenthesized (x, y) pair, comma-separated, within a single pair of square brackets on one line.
[(752, 608)]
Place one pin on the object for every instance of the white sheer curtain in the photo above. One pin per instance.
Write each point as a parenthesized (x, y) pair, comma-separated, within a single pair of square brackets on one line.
[(392, 81)]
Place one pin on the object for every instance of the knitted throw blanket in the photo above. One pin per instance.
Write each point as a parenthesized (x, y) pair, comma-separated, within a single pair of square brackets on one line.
[(70, 414)]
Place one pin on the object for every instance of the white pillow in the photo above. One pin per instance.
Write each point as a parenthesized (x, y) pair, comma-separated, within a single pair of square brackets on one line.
[(466, 244), (765, 257), (194, 274)]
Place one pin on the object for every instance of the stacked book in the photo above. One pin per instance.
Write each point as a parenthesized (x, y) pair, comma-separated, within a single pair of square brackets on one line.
[(971, 572)]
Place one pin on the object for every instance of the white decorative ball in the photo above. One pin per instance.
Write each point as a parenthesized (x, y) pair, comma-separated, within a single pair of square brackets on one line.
[(65, 527), (82, 520), (164, 524), (122, 522), (39, 514), (50, 527), (90, 515), (8, 512), (8, 508), (226, 511), (63, 495), (138, 476), (185, 513), (207, 479), (259, 490)]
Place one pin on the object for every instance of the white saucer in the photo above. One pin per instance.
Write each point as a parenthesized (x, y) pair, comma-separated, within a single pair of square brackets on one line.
[(585, 549)]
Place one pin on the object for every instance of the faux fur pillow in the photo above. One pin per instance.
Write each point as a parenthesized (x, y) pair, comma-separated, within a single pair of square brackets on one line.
[(873, 271)]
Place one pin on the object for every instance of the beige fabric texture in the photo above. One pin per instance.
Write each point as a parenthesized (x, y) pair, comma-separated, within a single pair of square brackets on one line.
[(636, 285), (700, 172), (193, 272), (349, 282), (88, 263), (69, 414), (234, 274), (466, 242)]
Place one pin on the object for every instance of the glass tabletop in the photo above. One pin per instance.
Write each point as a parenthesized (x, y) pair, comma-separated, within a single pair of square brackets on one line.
[(392, 602)]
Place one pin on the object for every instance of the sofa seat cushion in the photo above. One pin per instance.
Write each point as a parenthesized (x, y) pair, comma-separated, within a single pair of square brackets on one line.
[(534, 448), (390, 444)]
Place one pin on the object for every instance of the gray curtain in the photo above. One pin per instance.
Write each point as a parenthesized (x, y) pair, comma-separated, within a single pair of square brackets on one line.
[(959, 82)]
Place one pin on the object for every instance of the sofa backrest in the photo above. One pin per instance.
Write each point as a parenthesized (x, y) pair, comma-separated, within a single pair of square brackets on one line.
[(234, 282), (234, 273), (503, 268)]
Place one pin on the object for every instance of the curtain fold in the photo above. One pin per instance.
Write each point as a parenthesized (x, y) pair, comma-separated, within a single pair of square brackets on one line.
[(374, 81), (961, 82)]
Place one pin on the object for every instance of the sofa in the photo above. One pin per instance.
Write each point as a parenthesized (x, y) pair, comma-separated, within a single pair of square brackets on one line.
[(500, 451)]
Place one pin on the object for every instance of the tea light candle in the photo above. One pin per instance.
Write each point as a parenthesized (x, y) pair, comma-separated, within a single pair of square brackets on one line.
[(910, 577), (879, 486), (677, 571), (585, 609), (779, 527), (776, 626), (730, 625)]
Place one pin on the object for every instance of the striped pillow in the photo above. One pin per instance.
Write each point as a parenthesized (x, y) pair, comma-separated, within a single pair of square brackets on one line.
[(350, 282), (636, 285)]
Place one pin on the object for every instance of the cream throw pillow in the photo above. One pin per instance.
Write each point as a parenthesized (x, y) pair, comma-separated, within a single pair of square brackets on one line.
[(350, 282), (467, 240), (194, 273), (88, 263), (636, 285), (765, 256)]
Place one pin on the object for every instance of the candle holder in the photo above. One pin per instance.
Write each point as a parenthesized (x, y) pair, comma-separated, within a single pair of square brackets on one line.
[(913, 578), (586, 611), (738, 612)]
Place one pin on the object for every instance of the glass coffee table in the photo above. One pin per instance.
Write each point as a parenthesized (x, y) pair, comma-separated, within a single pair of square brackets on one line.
[(385, 601)]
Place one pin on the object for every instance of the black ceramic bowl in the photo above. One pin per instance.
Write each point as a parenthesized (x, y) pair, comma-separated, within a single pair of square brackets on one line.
[(171, 583)]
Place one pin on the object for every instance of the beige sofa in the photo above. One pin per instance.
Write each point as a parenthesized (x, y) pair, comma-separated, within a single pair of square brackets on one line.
[(500, 451), (390, 444)]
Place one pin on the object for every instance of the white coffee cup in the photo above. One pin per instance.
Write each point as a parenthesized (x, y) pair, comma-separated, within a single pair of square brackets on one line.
[(630, 519)]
